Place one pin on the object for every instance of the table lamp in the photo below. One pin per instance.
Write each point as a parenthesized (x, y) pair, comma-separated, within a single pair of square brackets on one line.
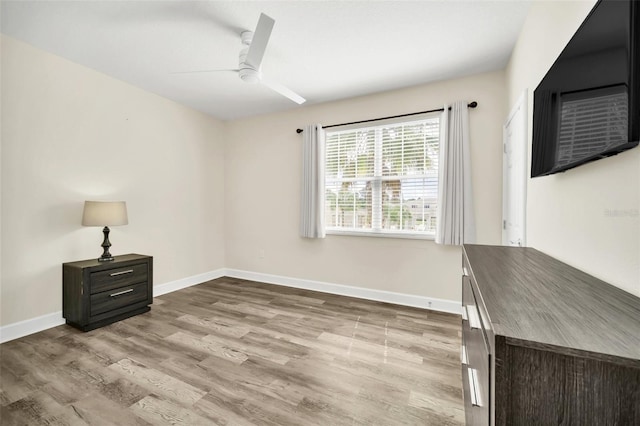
[(105, 213)]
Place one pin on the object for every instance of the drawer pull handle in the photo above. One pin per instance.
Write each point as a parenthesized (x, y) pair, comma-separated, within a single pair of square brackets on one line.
[(115, 274), (474, 320), (463, 355), (476, 401), (121, 292)]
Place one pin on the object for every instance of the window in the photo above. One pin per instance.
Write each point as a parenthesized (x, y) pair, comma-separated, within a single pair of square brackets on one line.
[(383, 179)]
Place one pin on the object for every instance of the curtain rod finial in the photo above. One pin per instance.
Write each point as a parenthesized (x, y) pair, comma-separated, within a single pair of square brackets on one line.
[(298, 130), (473, 104)]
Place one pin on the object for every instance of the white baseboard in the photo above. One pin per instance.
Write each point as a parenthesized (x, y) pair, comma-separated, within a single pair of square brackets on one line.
[(44, 322), (159, 290), (30, 326), (441, 305)]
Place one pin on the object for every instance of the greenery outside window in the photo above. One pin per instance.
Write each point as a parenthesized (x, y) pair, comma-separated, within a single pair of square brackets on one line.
[(383, 179)]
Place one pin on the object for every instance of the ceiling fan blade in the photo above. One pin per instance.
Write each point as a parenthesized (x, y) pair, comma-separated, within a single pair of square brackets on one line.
[(201, 71), (284, 91), (259, 43)]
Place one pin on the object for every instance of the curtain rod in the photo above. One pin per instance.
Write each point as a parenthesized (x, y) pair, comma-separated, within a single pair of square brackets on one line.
[(470, 105)]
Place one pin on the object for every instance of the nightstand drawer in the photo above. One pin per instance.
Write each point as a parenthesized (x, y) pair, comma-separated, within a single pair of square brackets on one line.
[(117, 298), (115, 278)]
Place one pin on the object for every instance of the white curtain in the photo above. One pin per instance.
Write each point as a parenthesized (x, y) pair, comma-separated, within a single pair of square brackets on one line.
[(312, 199), (456, 224)]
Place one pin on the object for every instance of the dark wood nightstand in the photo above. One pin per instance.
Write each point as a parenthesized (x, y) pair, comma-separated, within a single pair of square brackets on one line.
[(95, 293)]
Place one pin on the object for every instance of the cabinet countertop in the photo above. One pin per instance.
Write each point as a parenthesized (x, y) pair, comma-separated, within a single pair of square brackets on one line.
[(537, 300)]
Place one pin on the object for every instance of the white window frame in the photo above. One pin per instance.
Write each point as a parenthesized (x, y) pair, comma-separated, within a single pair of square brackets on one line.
[(378, 178)]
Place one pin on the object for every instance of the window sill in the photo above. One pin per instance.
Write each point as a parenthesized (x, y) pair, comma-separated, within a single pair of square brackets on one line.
[(402, 235)]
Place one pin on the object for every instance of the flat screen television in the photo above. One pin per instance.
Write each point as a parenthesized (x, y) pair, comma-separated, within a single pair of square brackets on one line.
[(587, 106)]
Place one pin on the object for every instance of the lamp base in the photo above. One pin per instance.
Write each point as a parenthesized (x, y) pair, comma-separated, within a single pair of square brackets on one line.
[(106, 256)]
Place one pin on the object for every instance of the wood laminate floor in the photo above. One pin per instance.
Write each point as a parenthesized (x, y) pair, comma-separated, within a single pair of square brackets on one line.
[(234, 352)]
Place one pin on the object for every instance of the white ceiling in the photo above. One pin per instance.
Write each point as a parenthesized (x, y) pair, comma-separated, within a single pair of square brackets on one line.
[(323, 50)]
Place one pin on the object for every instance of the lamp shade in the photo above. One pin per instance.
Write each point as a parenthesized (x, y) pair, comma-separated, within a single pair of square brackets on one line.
[(104, 213)]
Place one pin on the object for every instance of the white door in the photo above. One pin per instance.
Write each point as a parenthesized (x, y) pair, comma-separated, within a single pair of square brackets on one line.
[(514, 175)]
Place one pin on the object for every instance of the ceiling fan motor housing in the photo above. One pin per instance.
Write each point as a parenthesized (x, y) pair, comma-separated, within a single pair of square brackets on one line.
[(246, 37), (247, 73)]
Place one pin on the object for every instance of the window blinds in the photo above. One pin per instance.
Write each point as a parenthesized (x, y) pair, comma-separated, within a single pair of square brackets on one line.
[(383, 178)]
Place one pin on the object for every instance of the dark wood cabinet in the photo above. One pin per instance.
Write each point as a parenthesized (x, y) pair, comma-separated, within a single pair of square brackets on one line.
[(546, 344), (96, 293)]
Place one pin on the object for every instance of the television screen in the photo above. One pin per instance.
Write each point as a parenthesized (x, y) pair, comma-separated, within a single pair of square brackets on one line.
[(586, 107)]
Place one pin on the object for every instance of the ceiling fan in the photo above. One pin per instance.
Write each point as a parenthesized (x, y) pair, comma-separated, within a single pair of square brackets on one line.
[(251, 58)]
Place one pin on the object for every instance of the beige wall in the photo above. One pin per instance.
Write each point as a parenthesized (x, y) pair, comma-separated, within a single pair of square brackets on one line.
[(71, 134), (588, 216), (262, 176), (203, 195)]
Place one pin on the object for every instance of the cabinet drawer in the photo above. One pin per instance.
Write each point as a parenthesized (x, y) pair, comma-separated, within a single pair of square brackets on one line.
[(118, 277), (476, 359), (476, 401), (479, 362), (117, 298), (471, 314)]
